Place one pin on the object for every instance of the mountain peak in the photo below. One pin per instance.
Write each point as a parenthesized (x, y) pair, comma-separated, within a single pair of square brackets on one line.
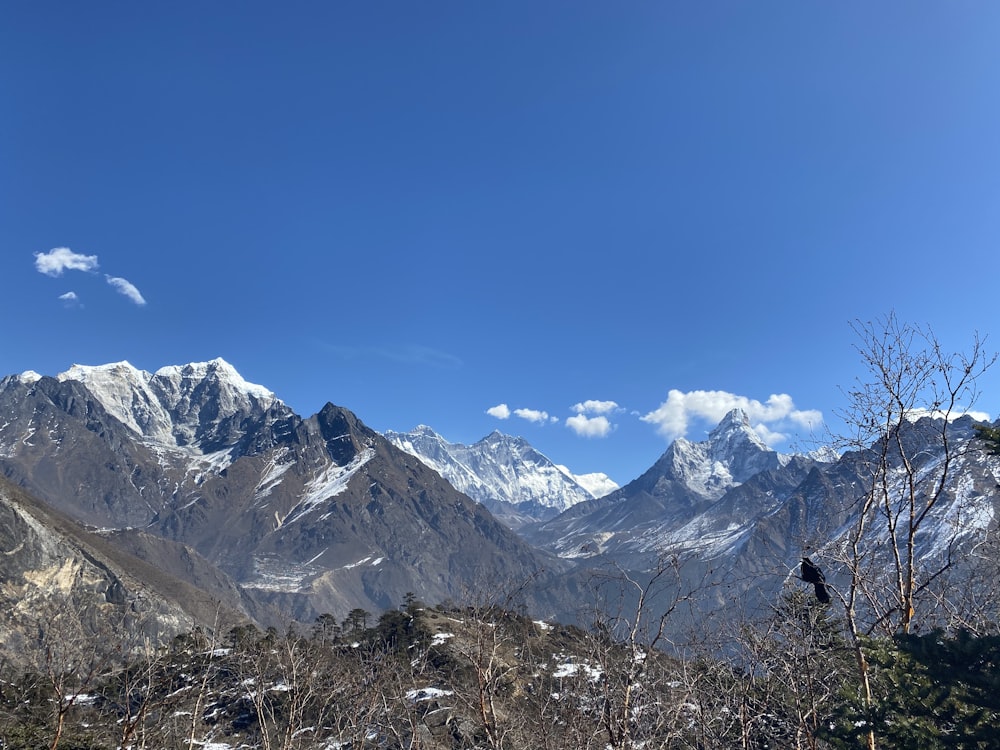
[(218, 369), (180, 405), (734, 430), (503, 472), (734, 418), (732, 454)]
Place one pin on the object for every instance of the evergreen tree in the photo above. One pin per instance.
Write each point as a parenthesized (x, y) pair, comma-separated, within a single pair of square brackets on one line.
[(990, 436), (933, 692)]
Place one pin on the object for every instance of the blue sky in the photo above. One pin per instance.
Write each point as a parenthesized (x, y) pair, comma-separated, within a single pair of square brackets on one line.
[(449, 212)]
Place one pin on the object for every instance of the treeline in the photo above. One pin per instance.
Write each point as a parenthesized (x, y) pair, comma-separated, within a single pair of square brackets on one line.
[(487, 677)]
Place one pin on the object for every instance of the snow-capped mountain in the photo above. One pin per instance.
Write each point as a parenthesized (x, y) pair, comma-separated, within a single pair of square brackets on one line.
[(732, 454), (687, 479), (317, 514), (739, 516), (201, 406), (504, 473), (222, 485)]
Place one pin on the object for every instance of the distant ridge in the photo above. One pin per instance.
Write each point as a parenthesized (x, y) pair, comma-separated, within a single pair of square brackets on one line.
[(506, 474)]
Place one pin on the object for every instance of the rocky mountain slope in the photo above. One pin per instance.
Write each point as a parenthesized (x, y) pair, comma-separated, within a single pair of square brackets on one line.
[(739, 516), (214, 480), (313, 515), (685, 482), (513, 480), (62, 584)]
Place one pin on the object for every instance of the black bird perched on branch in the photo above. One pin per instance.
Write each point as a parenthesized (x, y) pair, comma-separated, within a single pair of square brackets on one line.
[(812, 574)]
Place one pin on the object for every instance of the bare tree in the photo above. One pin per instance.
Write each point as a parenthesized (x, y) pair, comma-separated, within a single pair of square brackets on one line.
[(908, 376)]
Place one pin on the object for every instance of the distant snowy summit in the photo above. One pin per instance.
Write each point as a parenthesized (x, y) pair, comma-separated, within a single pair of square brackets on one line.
[(180, 405), (506, 474)]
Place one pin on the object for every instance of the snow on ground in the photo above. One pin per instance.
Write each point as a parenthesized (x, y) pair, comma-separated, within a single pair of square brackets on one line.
[(570, 669), (427, 694)]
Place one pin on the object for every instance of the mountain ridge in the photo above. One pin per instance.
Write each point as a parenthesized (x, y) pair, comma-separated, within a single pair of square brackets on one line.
[(515, 481)]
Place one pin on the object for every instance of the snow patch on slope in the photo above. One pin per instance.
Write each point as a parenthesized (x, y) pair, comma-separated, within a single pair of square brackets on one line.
[(332, 481)]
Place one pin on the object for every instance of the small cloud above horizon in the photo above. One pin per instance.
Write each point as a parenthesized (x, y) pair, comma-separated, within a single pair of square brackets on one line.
[(673, 417), (536, 416), (500, 411), (126, 288), (595, 407), (915, 414), (590, 427), (60, 259), (591, 420), (532, 415)]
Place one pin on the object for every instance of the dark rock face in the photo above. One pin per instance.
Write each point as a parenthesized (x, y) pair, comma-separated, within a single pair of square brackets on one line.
[(195, 474), (309, 515)]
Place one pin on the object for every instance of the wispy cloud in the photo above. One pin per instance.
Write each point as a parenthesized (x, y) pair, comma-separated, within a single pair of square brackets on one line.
[(70, 299), (673, 417), (591, 427), (60, 259), (410, 354), (500, 411), (127, 288)]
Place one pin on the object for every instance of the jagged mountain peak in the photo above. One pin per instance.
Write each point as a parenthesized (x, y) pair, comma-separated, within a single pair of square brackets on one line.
[(733, 434), (505, 473), (218, 370), (735, 421), (198, 406), (732, 454), (422, 429)]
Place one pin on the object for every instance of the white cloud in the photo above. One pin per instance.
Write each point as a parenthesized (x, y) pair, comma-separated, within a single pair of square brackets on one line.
[(595, 407), (914, 414), (673, 416), (585, 426), (70, 299), (500, 411), (769, 436), (532, 415), (124, 286), (59, 259)]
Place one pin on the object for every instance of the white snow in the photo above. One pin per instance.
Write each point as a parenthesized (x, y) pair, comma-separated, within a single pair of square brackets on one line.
[(222, 369), (271, 476), (570, 669), (501, 468), (363, 561), (332, 481), (159, 406), (426, 694)]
